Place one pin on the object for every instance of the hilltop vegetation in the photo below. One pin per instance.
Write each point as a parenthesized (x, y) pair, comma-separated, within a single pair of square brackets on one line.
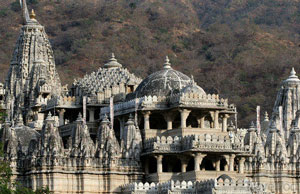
[(241, 49)]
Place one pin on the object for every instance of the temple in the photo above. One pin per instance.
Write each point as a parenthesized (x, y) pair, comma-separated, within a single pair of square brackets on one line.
[(113, 132)]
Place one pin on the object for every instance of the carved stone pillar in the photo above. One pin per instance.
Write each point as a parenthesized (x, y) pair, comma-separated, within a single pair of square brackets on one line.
[(198, 160), (241, 165), (216, 119), (184, 163), (146, 120), (224, 122), (218, 164), (202, 125), (169, 117), (159, 159), (231, 162), (184, 113), (227, 162), (61, 113), (92, 114)]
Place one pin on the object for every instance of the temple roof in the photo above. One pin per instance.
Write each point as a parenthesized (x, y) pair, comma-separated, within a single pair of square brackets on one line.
[(111, 75), (165, 82)]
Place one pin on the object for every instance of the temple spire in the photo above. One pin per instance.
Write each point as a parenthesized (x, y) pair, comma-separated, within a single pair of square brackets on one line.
[(25, 11)]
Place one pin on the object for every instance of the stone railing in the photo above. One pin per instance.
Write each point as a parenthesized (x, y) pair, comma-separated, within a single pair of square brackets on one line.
[(192, 99), (207, 186), (122, 108), (45, 89), (205, 142), (62, 101), (151, 102), (162, 144)]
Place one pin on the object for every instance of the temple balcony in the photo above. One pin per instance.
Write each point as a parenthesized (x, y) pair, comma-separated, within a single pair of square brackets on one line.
[(190, 176), (151, 133), (192, 165), (203, 143)]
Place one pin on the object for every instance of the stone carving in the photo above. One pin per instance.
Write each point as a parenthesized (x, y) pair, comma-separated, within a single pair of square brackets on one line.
[(82, 144), (108, 146), (178, 137)]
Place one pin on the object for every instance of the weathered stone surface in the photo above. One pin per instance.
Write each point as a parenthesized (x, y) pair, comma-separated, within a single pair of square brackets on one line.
[(166, 130)]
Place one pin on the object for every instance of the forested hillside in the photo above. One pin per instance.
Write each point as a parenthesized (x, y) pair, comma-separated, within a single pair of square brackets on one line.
[(241, 49)]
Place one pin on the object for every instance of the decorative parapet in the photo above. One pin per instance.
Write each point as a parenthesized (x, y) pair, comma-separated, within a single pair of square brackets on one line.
[(163, 144), (205, 142), (45, 89), (208, 186), (62, 102), (194, 99), (162, 102)]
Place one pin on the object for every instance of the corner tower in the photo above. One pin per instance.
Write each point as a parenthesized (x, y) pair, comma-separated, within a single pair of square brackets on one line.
[(32, 77)]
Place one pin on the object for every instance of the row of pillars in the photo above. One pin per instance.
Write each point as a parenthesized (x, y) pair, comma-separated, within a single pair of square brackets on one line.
[(184, 113), (197, 162), (61, 113)]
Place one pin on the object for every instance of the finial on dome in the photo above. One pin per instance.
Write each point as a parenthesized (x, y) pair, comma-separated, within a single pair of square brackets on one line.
[(113, 62), (79, 118), (266, 116), (231, 126), (113, 57), (32, 15), (49, 117), (293, 76), (192, 80), (105, 119), (167, 64)]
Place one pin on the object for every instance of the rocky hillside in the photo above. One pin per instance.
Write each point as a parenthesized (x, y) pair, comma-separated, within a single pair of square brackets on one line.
[(240, 49)]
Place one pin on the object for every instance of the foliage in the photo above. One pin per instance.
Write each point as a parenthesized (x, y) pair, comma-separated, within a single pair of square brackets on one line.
[(240, 49)]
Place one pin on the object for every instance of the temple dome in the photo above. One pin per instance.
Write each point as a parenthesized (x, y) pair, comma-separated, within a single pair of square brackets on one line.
[(193, 88), (165, 82)]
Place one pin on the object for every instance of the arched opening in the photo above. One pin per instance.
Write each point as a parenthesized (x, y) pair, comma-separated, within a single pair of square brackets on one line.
[(152, 165), (223, 163), (1, 98), (117, 129), (171, 164), (191, 165), (157, 121), (192, 122), (207, 164)]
